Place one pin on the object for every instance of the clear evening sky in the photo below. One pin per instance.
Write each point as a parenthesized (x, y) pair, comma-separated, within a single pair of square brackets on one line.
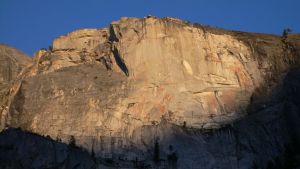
[(33, 24)]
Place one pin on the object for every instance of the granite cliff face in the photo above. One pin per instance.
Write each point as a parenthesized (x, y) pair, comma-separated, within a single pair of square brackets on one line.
[(12, 63), (217, 96)]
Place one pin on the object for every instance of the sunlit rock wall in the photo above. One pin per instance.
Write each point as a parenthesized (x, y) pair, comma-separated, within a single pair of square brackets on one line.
[(113, 88)]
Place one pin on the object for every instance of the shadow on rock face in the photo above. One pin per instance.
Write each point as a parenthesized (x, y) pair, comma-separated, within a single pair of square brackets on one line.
[(259, 139), (269, 136), (120, 62), (19, 150)]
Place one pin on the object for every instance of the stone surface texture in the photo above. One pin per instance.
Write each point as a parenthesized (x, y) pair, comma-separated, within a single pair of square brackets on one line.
[(215, 95), (12, 64)]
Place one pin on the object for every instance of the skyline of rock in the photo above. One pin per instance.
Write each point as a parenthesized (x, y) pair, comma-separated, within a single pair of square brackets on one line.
[(117, 90)]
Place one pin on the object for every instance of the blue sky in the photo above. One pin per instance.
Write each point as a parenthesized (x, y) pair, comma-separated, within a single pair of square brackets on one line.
[(33, 24)]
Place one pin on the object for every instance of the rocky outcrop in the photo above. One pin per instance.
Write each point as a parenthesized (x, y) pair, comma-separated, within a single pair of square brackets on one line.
[(84, 39), (12, 63), (118, 90)]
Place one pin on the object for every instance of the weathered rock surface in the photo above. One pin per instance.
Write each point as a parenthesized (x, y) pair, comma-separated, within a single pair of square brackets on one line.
[(12, 63), (118, 89)]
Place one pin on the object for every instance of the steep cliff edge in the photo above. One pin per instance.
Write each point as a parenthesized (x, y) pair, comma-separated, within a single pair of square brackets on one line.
[(12, 63), (117, 90)]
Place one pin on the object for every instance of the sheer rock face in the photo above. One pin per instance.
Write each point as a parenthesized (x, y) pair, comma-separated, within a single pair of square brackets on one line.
[(111, 87), (12, 63), (200, 78)]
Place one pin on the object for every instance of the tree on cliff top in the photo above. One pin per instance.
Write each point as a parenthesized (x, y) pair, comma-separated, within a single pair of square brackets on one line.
[(72, 141), (286, 32)]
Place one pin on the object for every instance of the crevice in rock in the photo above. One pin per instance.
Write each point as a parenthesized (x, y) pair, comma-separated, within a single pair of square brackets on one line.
[(219, 101), (112, 35), (120, 62), (106, 61)]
